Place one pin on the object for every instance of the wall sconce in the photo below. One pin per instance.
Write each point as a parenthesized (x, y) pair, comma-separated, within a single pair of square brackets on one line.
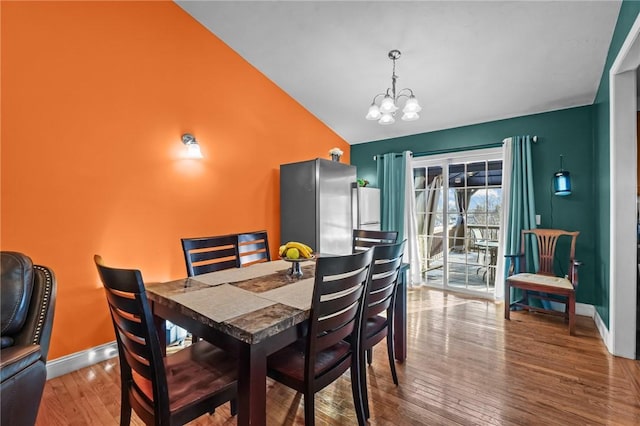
[(193, 149), (562, 181)]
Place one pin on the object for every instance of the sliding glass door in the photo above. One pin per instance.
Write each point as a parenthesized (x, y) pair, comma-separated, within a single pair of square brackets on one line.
[(458, 214)]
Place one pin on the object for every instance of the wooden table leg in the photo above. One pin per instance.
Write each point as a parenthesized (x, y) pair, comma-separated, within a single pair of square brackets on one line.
[(161, 329), (252, 386), (507, 300), (400, 316), (571, 300)]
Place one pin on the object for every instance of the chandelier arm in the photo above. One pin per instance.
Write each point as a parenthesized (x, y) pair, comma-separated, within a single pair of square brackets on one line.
[(400, 93), (376, 97)]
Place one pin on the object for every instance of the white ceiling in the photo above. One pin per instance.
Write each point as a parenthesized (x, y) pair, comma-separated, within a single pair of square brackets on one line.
[(467, 62)]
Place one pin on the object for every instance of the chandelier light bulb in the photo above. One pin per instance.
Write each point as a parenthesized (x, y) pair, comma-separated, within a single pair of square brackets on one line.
[(374, 113), (387, 105), (410, 116), (385, 111), (386, 119), (412, 105)]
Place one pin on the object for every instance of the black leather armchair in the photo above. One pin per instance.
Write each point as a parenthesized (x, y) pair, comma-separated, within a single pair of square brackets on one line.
[(27, 297)]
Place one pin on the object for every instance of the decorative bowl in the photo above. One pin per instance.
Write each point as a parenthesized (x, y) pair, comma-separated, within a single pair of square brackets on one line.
[(296, 270)]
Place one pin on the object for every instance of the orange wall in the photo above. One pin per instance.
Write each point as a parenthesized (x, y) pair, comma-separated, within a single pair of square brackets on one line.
[(95, 96)]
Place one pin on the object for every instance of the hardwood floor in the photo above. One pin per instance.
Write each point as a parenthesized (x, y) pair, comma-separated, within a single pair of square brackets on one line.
[(466, 365)]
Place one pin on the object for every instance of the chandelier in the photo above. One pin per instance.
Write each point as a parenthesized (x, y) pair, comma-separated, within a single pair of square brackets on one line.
[(386, 110)]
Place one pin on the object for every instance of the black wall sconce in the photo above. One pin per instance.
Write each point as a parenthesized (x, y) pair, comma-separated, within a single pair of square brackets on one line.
[(562, 181)]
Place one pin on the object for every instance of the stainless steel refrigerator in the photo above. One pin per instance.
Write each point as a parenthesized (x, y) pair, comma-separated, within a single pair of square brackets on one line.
[(366, 208), (315, 205)]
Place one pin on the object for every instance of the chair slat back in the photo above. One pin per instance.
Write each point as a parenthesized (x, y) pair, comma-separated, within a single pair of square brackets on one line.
[(253, 247), (138, 343), (210, 254), (546, 240), (387, 260), (337, 302), (364, 239)]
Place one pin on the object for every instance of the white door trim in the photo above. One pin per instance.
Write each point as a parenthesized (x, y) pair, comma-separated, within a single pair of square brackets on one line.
[(623, 192), (444, 160)]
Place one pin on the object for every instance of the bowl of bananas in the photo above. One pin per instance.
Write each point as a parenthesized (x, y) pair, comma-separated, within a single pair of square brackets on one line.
[(295, 252)]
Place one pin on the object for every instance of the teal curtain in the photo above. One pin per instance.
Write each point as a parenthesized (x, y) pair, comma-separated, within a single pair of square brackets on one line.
[(522, 204), (391, 180), (398, 207)]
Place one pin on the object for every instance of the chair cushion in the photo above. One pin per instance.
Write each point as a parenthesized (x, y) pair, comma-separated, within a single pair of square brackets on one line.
[(6, 342), (16, 278), (193, 373), (16, 358), (290, 360), (375, 325), (545, 280)]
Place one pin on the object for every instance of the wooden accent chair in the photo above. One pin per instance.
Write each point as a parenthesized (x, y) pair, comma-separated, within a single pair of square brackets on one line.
[(365, 239), (163, 391), (253, 247), (210, 254), (544, 284), (380, 298), (322, 356)]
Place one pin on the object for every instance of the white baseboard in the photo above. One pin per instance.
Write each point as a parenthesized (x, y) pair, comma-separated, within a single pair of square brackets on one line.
[(585, 310), (78, 360), (604, 332), (592, 312)]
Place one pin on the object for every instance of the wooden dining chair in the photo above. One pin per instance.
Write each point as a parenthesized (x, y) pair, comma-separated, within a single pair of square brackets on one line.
[(161, 390), (365, 239), (543, 284), (210, 254), (253, 247), (380, 298), (322, 356)]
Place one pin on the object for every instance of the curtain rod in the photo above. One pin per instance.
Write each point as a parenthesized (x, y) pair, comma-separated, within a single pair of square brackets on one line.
[(446, 151)]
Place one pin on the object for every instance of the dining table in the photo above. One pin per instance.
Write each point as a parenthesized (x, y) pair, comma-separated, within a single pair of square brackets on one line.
[(251, 312)]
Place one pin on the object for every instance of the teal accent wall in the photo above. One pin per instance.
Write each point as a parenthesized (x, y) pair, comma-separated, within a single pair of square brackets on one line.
[(629, 11), (568, 132), (580, 134)]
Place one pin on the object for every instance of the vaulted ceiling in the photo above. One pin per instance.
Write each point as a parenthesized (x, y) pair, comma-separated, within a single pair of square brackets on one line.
[(467, 62)]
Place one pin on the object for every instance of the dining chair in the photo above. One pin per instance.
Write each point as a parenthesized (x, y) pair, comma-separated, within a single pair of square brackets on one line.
[(161, 390), (476, 241), (364, 239), (380, 298), (322, 356), (210, 254), (543, 284), (253, 247)]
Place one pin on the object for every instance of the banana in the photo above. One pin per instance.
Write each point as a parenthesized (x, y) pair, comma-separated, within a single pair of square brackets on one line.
[(305, 250), (282, 249), (309, 249)]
